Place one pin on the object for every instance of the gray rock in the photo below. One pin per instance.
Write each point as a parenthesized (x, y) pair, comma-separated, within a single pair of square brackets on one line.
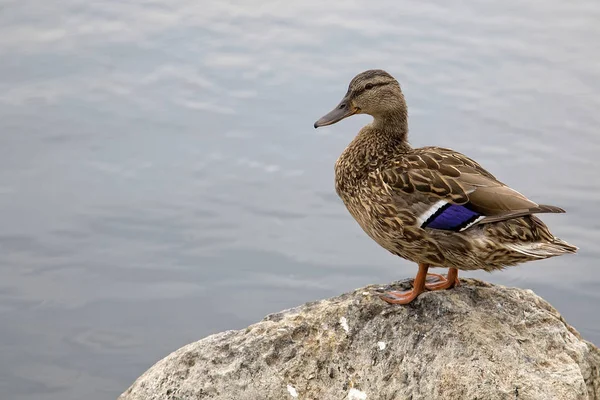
[(478, 341)]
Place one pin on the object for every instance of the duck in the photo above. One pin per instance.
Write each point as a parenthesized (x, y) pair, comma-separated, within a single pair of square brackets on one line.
[(431, 205)]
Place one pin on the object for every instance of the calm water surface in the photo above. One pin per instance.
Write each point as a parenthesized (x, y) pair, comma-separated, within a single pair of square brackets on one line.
[(160, 179)]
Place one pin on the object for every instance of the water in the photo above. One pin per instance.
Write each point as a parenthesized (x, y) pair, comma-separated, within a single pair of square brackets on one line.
[(160, 179)]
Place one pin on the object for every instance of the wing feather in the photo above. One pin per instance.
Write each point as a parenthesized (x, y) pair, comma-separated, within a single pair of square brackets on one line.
[(442, 174)]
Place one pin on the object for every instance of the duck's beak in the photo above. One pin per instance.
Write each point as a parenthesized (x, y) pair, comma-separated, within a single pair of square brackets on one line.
[(343, 110)]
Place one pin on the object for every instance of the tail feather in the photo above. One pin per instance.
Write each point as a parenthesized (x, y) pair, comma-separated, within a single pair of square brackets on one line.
[(567, 247), (543, 249)]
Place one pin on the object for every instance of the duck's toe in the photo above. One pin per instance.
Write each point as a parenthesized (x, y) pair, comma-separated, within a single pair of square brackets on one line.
[(403, 297), (434, 278), (444, 283)]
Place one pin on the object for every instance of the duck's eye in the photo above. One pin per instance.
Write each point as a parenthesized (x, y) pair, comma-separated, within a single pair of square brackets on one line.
[(369, 86)]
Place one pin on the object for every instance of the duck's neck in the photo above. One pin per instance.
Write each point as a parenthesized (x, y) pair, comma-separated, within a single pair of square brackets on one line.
[(374, 146), (391, 128)]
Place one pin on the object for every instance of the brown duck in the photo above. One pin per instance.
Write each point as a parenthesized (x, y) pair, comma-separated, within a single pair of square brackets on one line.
[(433, 206)]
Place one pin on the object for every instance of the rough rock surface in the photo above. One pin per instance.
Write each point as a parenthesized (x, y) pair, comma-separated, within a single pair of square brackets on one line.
[(478, 341)]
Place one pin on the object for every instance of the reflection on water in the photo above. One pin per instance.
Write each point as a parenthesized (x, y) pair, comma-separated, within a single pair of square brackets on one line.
[(160, 179)]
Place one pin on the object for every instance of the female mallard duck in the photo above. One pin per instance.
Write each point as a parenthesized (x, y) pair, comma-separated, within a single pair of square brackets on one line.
[(433, 206)]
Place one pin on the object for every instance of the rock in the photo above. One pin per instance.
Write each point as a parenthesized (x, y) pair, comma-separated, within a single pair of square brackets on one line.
[(477, 341)]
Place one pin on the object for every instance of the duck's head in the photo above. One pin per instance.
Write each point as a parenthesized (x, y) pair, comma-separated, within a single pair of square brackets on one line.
[(373, 92)]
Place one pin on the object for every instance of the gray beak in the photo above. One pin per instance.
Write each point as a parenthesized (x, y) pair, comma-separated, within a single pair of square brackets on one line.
[(343, 110)]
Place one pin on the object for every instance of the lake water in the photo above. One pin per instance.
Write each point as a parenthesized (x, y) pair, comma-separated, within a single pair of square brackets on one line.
[(160, 178)]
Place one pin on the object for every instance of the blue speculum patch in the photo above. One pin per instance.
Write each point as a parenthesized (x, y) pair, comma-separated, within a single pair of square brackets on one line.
[(451, 217)]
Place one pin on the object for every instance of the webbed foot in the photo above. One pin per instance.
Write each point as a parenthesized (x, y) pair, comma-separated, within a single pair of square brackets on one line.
[(405, 297)]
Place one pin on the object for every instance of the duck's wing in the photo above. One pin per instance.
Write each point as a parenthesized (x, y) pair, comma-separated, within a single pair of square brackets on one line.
[(450, 191)]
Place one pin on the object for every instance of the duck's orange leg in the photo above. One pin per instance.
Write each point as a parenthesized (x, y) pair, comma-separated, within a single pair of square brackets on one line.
[(408, 296), (446, 283)]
